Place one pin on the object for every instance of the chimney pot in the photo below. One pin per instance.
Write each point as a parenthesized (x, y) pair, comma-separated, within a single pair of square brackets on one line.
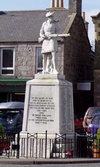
[(83, 15), (61, 3), (57, 3), (52, 4)]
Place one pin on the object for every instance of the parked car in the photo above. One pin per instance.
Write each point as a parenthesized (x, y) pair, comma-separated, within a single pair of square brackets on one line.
[(11, 117), (93, 125), (91, 111), (78, 124)]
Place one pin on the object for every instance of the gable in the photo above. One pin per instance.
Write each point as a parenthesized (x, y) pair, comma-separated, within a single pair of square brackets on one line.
[(96, 17), (77, 28)]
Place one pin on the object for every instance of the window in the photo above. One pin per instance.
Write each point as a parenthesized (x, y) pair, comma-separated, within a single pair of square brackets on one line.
[(7, 61), (39, 65)]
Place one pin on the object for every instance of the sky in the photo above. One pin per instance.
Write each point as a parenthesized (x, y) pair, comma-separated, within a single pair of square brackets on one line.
[(90, 7)]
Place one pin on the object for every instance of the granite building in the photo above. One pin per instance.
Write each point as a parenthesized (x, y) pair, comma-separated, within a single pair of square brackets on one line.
[(20, 52), (96, 21)]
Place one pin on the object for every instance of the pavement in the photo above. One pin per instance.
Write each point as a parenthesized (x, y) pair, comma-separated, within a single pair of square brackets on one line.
[(30, 161)]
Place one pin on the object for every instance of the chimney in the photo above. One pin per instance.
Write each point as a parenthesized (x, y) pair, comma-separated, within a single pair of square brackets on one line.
[(75, 6), (56, 3), (85, 22), (83, 15)]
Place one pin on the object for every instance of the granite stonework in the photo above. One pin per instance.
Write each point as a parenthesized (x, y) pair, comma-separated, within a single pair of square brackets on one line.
[(48, 108), (48, 105)]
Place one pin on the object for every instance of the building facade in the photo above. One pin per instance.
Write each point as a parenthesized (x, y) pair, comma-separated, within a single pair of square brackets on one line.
[(20, 52), (96, 21)]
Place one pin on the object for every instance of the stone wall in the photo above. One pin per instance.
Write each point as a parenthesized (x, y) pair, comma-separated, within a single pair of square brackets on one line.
[(96, 21), (97, 87), (74, 61), (78, 65), (25, 60), (73, 57), (75, 6)]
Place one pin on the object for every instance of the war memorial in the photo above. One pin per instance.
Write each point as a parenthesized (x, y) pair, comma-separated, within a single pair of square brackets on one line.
[(48, 106)]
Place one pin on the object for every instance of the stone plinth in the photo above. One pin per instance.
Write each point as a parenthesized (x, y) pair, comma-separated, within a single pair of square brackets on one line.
[(48, 107)]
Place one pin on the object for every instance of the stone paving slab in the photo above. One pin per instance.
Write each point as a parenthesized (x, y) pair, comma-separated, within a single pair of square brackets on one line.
[(30, 161)]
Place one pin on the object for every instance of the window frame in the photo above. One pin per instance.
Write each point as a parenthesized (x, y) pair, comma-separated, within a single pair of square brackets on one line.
[(38, 69), (8, 68)]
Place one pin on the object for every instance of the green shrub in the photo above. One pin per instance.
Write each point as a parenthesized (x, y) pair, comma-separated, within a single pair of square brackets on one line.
[(2, 134)]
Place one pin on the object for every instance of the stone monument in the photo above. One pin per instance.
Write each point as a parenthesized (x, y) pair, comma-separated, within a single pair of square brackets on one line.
[(49, 97), (48, 105)]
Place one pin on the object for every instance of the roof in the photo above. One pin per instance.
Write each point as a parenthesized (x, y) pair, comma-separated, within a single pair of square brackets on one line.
[(15, 105), (96, 16), (24, 26)]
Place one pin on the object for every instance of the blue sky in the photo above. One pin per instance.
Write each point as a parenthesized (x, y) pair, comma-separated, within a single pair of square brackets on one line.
[(42, 4), (90, 7)]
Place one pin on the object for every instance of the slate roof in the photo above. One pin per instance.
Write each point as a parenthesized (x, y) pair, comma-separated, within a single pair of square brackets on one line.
[(24, 26)]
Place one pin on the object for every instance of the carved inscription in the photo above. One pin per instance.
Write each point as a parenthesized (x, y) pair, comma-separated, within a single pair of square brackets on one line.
[(41, 110)]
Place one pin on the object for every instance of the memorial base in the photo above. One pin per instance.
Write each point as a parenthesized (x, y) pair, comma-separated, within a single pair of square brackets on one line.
[(48, 108), (46, 145)]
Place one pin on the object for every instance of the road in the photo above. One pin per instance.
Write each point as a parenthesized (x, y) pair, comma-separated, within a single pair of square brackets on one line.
[(55, 165)]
